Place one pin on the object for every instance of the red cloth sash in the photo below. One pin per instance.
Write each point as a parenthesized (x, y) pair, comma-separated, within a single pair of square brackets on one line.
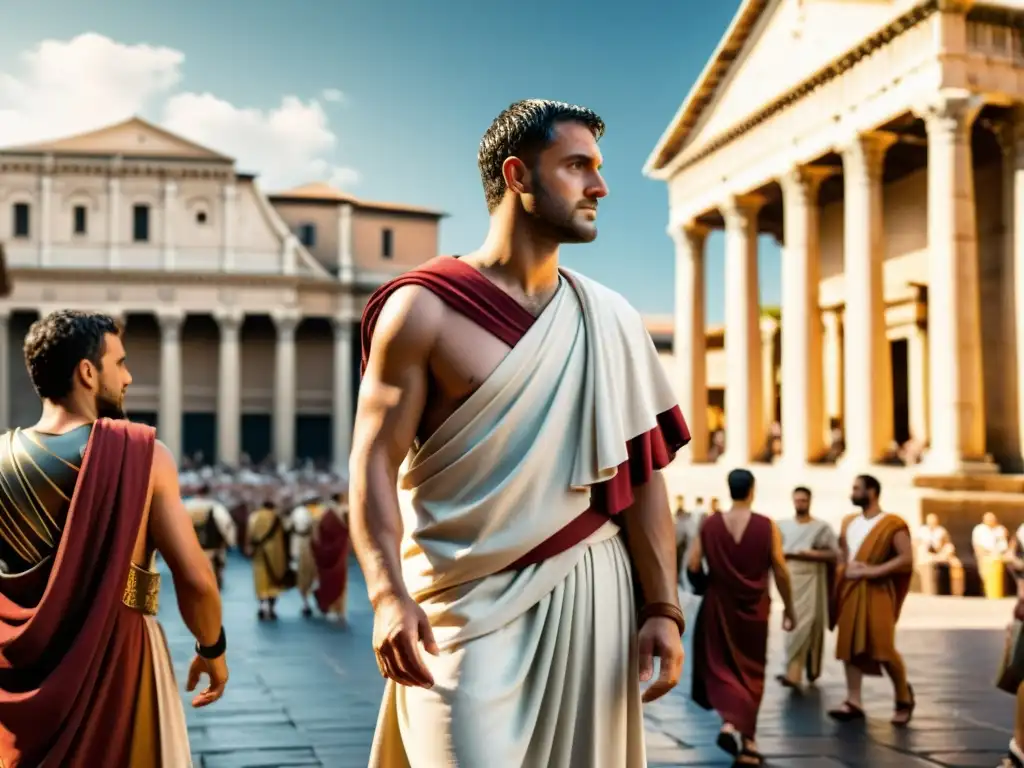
[(465, 289), (70, 650), (330, 553)]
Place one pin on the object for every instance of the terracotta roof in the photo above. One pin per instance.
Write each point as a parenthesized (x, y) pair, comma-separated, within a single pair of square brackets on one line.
[(703, 91), (321, 191), (133, 137)]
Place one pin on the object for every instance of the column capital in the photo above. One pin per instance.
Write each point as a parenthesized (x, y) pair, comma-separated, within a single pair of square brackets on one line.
[(740, 209), (229, 318), (691, 234), (286, 320), (170, 319), (769, 327), (865, 153), (831, 317), (950, 111), (805, 180)]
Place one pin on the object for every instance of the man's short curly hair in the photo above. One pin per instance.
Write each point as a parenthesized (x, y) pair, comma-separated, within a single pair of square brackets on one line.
[(58, 342), (521, 129)]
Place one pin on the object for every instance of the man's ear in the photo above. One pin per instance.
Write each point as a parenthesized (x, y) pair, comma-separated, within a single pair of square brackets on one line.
[(517, 175), (86, 374)]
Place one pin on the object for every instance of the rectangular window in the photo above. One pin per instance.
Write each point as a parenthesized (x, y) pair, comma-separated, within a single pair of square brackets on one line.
[(307, 235), (21, 211), (80, 220), (387, 244), (140, 223)]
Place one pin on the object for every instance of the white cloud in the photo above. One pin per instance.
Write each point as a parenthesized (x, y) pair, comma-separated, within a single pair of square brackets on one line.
[(332, 94), (66, 87)]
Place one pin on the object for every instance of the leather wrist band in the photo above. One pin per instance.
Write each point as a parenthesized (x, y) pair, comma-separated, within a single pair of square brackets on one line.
[(214, 651), (669, 611)]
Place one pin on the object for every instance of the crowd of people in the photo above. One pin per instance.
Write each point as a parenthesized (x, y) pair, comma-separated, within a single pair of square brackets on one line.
[(292, 525), (854, 581)]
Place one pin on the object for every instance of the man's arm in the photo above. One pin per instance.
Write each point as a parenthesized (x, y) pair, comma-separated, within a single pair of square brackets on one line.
[(814, 555), (392, 398), (174, 537), (901, 563), (651, 539), (781, 573)]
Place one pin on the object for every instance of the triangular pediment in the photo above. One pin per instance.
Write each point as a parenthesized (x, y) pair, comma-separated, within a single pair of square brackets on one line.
[(772, 47), (134, 137)]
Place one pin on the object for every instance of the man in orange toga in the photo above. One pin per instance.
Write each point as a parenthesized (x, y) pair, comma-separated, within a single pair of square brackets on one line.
[(873, 581), (86, 499)]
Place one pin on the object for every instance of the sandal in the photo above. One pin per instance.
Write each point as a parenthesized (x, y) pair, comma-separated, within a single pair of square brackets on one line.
[(756, 758), (785, 682), (730, 742), (847, 713), (905, 708)]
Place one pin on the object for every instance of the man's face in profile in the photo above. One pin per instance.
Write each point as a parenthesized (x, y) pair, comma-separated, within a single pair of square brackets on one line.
[(567, 184), (114, 379)]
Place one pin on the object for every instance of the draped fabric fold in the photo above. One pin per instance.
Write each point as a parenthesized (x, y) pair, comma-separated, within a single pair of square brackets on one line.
[(867, 609), (578, 402), (649, 444), (77, 664)]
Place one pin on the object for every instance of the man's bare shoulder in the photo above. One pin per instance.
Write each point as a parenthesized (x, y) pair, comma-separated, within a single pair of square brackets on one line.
[(412, 315), (164, 463)]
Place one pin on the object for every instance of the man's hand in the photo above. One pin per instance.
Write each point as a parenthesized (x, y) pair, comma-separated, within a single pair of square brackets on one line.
[(216, 670), (399, 626), (660, 637), (788, 621), (858, 570)]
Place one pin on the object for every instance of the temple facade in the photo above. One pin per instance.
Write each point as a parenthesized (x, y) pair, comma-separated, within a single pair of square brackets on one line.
[(241, 309), (881, 142)]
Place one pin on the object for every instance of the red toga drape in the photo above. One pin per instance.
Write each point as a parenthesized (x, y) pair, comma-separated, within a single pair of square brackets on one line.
[(70, 651)]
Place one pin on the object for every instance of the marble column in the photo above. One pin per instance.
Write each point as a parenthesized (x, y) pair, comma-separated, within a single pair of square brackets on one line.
[(770, 376), (1012, 144), (5, 370), (954, 328), (803, 408), (689, 353), (917, 375), (114, 234), (229, 387), (227, 246), (169, 424), (346, 260), (342, 401), (868, 413), (832, 370), (46, 213), (170, 196), (284, 387), (745, 432)]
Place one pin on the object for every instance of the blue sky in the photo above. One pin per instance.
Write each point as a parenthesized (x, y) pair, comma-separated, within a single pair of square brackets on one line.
[(420, 81)]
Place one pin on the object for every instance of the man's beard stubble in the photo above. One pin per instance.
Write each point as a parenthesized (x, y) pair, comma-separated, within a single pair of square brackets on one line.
[(551, 215), (109, 408)]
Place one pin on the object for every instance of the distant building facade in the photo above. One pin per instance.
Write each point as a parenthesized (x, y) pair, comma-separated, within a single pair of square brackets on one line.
[(241, 309)]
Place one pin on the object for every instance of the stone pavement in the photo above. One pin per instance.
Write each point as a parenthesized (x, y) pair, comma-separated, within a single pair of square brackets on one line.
[(306, 693)]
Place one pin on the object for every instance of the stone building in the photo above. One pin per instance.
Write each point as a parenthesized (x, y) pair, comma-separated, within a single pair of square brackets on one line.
[(881, 143), (241, 309)]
